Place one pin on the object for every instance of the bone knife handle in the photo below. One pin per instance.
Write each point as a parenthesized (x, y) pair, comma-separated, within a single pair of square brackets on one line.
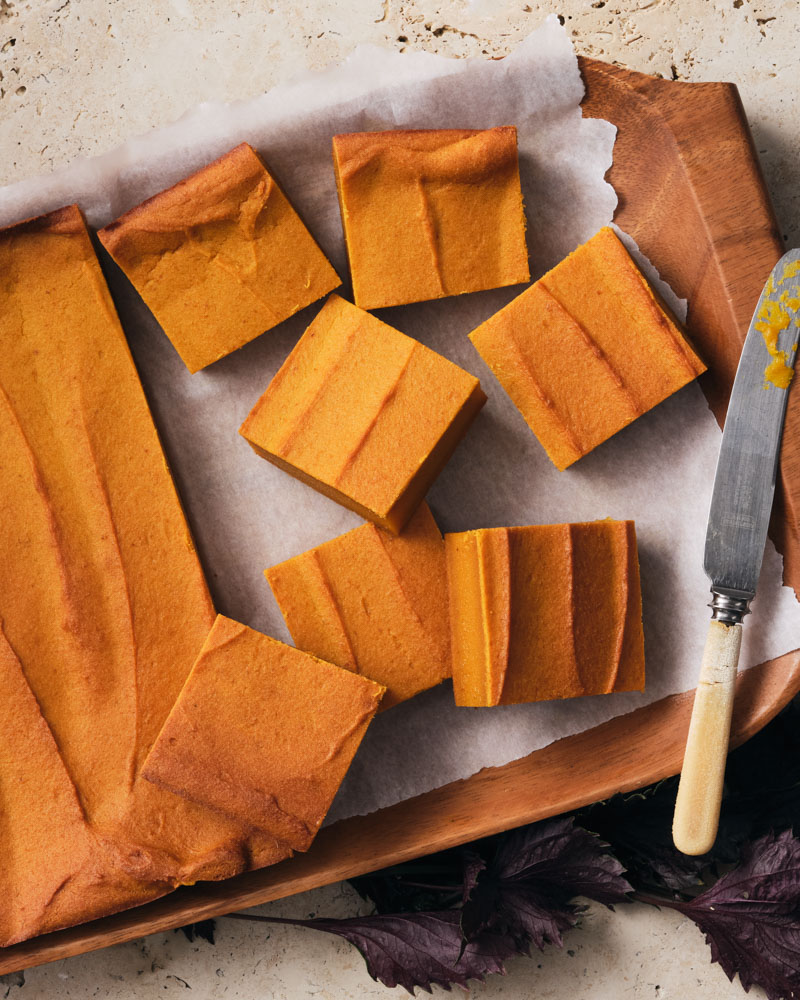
[(694, 826)]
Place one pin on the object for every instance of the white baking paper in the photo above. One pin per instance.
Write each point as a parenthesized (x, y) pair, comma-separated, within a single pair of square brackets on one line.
[(247, 515)]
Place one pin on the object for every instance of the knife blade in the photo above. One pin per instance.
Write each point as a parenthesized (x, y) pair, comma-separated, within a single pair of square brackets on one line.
[(741, 502)]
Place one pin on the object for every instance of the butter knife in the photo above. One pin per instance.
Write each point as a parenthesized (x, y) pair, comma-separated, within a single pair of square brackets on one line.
[(744, 486)]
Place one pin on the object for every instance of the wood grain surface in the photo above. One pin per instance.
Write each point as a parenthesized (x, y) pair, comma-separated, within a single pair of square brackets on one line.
[(692, 195)]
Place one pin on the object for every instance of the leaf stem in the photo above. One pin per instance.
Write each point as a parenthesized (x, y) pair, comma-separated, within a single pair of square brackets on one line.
[(434, 888), (654, 900), (266, 920)]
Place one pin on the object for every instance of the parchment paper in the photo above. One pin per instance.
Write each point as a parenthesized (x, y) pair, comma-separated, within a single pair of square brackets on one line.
[(247, 515)]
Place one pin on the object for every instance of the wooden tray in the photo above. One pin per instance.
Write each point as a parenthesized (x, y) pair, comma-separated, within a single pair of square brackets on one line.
[(692, 194)]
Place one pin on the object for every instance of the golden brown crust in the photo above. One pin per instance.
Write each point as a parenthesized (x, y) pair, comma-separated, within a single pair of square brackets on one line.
[(191, 198), (68, 219), (494, 156)]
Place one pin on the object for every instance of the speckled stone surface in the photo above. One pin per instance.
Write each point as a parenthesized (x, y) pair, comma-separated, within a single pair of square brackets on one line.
[(635, 952), (77, 77)]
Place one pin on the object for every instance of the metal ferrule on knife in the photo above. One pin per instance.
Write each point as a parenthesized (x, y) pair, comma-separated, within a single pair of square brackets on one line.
[(729, 607)]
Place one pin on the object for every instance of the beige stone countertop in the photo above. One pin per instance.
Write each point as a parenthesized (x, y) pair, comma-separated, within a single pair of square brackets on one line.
[(78, 77)]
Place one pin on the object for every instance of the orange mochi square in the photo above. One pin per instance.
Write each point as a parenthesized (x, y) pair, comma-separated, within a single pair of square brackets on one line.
[(430, 213), (220, 257), (545, 611), (374, 603), (263, 732), (586, 349), (364, 414)]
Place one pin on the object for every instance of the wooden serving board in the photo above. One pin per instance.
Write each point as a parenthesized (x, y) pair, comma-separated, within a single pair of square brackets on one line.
[(692, 194)]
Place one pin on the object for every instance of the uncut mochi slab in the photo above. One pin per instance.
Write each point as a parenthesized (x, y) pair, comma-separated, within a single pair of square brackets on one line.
[(103, 607), (374, 603), (430, 213), (586, 349), (364, 414), (220, 258), (263, 732), (545, 611)]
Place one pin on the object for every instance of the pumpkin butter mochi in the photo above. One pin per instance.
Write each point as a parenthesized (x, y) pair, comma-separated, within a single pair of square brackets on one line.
[(430, 212), (545, 611), (586, 349), (364, 414), (263, 732), (220, 257), (148, 743), (374, 603)]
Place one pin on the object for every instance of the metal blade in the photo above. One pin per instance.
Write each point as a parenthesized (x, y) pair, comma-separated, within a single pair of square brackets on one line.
[(745, 481)]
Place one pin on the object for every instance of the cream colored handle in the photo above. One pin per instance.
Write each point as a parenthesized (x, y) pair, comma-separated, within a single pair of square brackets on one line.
[(694, 827)]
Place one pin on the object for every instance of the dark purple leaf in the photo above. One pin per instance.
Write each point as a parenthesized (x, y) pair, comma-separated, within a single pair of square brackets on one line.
[(751, 917), (419, 949), (473, 866), (525, 892), (475, 917), (762, 777), (432, 883), (639, 827)]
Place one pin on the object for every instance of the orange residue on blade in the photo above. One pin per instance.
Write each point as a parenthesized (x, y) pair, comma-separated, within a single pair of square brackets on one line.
[(772, 321), (790, 271)]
